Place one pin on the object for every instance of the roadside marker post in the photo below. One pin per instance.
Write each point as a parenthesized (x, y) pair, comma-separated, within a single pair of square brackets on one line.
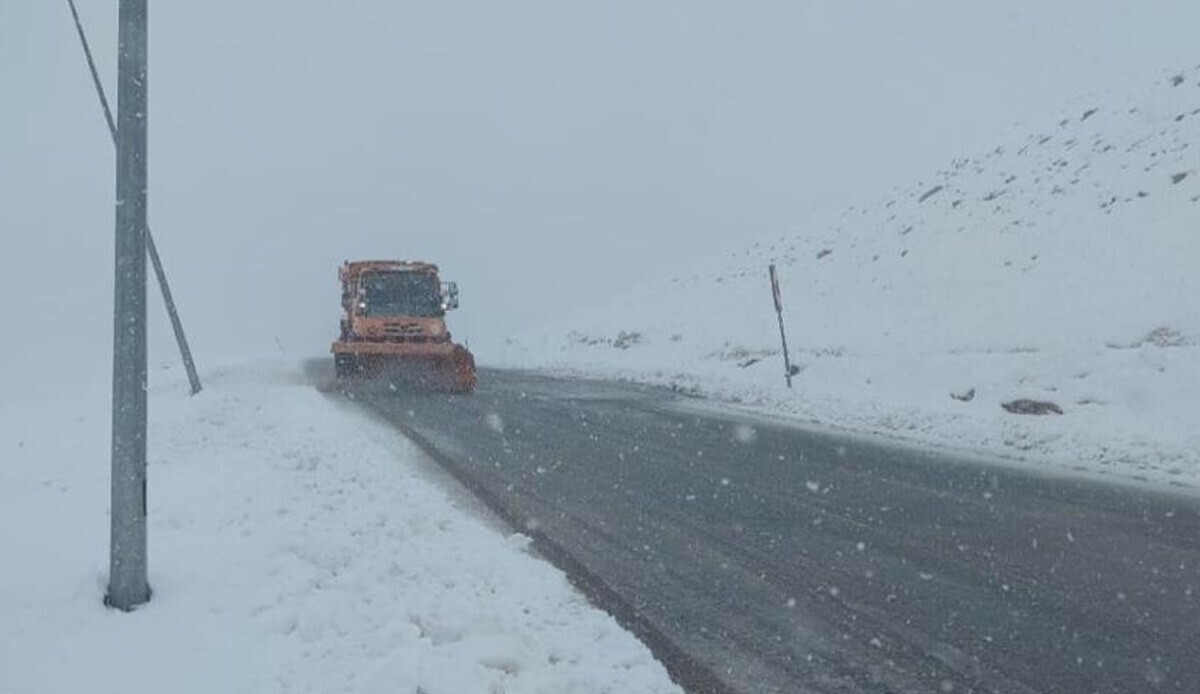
[(788, 369)]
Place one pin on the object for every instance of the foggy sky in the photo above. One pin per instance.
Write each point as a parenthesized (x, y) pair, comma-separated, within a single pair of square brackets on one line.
[(546, 154)]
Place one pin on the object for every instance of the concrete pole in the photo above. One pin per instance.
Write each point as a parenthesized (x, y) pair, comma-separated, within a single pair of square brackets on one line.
[(127, 583)]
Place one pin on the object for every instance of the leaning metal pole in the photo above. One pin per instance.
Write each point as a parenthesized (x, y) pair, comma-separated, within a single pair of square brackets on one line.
[(177, 325), (788, 369), (127, 583)]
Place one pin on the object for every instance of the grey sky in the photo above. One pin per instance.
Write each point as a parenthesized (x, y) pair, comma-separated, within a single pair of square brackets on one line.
[(546, 154)]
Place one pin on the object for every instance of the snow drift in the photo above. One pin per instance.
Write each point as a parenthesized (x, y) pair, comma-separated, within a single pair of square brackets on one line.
[(294, 547)]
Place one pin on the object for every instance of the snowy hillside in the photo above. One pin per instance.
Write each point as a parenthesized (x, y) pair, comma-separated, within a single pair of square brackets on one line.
[(294, 547), (1061, 266)]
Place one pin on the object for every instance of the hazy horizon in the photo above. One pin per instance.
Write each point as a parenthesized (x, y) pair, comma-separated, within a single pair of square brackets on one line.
[(544, 154)]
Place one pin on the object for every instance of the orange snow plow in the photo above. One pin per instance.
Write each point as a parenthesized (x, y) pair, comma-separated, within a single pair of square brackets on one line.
[(393, 327)]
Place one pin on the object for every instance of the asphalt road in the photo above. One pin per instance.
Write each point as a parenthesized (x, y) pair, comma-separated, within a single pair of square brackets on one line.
[(754, 556)]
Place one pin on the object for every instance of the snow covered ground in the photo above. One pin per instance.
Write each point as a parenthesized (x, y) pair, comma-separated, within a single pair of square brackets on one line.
[(294, 547), (1061, 266)]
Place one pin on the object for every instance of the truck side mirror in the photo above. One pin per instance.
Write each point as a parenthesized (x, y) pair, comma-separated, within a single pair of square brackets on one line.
[(449, 296)]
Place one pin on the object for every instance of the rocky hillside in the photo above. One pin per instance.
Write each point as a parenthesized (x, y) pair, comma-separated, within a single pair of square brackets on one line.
[(1062, 265)]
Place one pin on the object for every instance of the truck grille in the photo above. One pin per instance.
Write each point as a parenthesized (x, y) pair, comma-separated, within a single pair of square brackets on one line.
[(405, 332)]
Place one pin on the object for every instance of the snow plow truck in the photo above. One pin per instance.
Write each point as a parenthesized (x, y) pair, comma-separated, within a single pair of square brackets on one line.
[(393, 327)]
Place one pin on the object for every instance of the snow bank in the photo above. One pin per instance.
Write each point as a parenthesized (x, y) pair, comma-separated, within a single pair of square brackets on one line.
[(1059, 266), (294, 547)]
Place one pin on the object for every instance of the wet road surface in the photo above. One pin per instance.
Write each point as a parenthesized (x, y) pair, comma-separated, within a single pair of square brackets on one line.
[(754, 556)]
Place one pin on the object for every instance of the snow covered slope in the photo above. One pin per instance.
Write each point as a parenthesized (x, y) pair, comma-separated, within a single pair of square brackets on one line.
[(294, 547), (1063, 265)]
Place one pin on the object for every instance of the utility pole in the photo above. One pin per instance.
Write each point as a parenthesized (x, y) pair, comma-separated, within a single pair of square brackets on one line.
[(127, 582), (185, 352)]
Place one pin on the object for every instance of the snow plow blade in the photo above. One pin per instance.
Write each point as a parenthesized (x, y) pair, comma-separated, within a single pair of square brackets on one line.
[(439, 368)]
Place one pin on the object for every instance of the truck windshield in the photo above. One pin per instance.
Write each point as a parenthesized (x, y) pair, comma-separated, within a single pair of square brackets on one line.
[(401, 294)]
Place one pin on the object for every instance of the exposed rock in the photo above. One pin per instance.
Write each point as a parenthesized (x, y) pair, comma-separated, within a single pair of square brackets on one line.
[(965, 396), (590, 340), (823, 252), (744, 356), (1035, 407), (1163, 336), (623, 340), (1178, 178), (626, 340), (930, 193), (689, 389)]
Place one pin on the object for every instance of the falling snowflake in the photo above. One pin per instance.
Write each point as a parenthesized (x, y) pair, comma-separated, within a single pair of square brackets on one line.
[(745, 434)]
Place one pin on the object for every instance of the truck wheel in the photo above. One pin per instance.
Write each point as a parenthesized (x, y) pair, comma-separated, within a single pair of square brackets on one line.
[(343, 365)]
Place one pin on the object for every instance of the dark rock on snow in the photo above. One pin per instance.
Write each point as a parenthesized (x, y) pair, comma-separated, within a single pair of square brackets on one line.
[(966, 396), (1037, 407)]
